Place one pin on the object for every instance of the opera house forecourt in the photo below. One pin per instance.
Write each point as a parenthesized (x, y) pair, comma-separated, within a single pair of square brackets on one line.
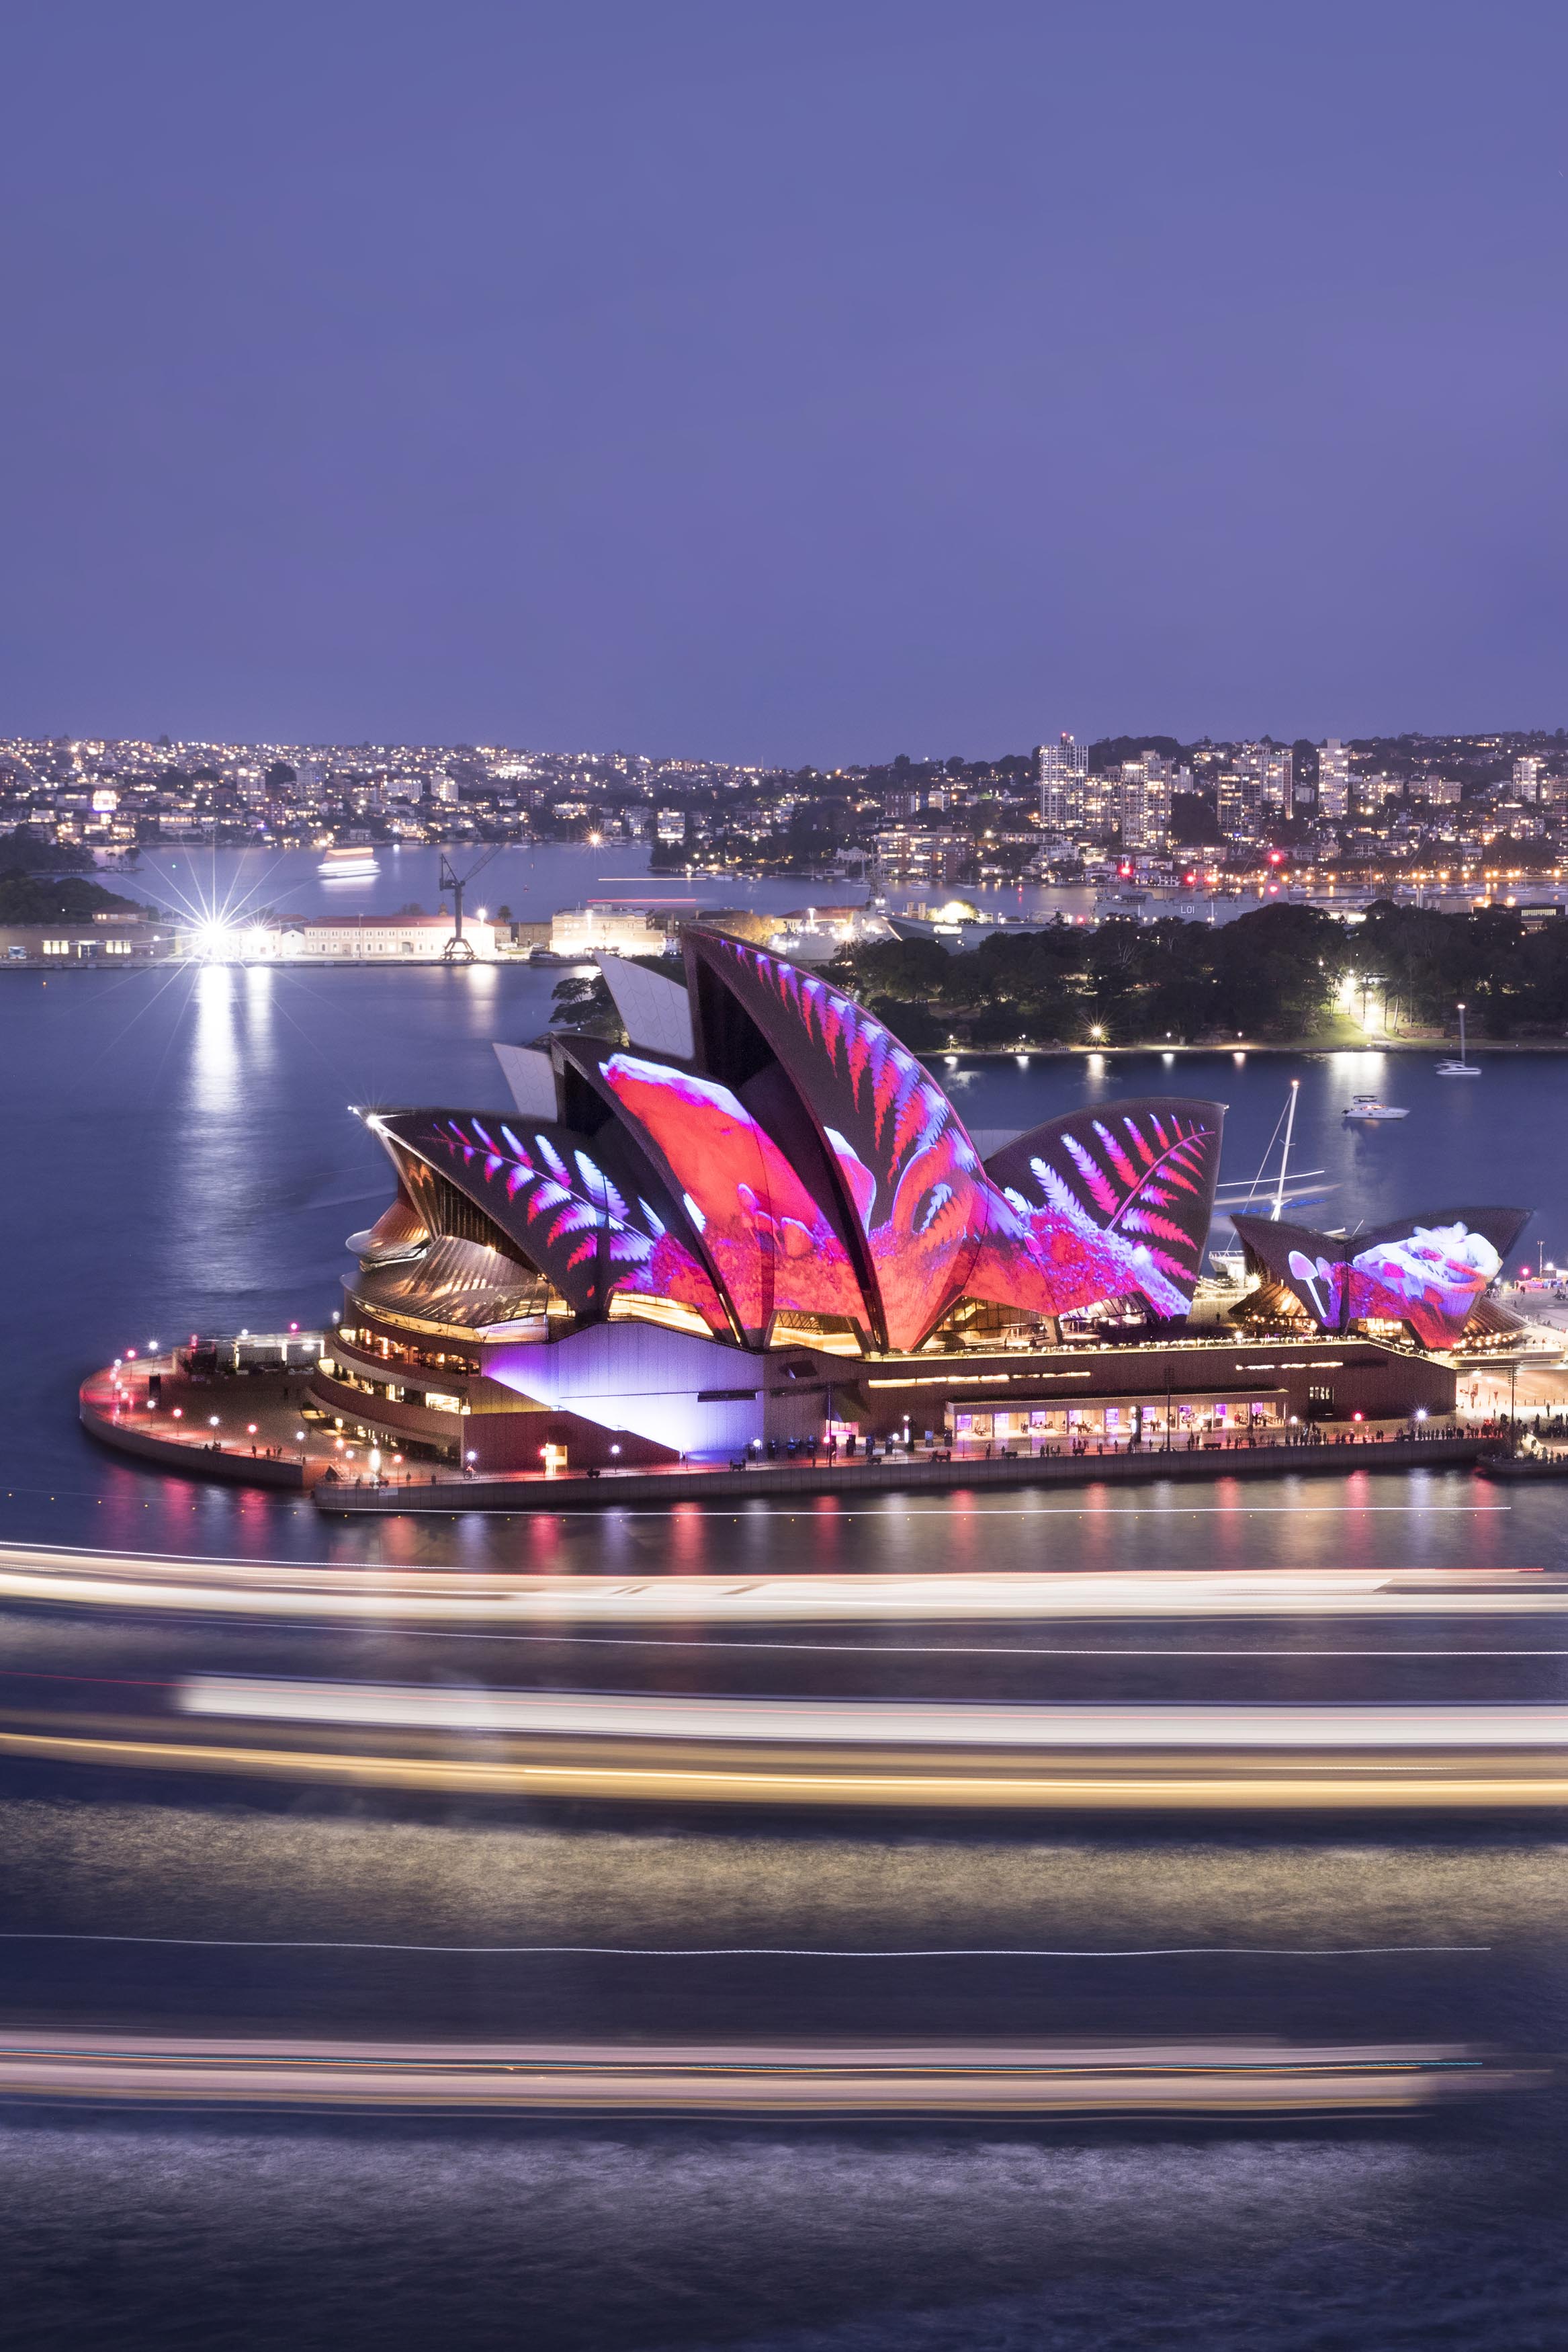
[(758, 1237)]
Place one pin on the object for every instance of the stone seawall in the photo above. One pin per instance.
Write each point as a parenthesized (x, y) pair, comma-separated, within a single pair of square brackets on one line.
[(184, 1460), (624, 1490)]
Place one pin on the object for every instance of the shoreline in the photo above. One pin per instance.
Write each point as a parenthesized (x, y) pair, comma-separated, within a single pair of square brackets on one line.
[(929, 1055), (621, 1490), (1440, 1047)]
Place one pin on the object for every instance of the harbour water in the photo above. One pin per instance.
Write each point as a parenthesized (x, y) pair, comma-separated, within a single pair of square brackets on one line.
[(182, 1156), (533, 879)]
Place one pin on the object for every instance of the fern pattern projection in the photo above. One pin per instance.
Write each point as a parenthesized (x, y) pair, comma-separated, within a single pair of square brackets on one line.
[(590, 1229), (1115, 1203), (909, 1172), (772, 1245)]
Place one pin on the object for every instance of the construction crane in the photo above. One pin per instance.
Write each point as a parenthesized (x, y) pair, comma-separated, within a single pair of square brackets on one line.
[(457, 948)]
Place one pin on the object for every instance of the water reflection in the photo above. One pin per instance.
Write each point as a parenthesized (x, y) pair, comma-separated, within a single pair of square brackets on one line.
[(214, 1059)]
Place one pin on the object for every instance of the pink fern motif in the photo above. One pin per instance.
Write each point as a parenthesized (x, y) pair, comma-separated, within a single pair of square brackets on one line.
[(1109, 1204), (1133, 1184), (563, 1219)]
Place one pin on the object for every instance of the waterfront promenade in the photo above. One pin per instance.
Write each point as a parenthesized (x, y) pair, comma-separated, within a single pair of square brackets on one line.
[(924, 1472), (253, 1436)]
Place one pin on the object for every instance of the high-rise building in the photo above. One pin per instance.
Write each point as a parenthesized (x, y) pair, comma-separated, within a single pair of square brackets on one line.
[(1270, 766), (1238, 804), (1060, 771), (1333, 779), (1526, 780), (1144, 803)]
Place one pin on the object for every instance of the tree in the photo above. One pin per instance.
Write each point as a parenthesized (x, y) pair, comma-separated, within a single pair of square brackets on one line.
[(1194, 824), (913, 1025), (1277, 970), (582, 1001), (25, 852), (36, 899)]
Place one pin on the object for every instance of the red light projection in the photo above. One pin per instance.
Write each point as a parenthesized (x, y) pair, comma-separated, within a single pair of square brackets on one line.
[(908, 1168), (771, 1245), (1115, 1203), (585, 1226)]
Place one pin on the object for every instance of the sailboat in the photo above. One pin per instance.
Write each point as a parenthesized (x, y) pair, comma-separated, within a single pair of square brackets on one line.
[(1230, 1263), (1461, 1068)]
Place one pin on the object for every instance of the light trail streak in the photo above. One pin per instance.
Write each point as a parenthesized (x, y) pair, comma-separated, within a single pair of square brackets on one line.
[(1419, 1780), (749, 1951), (756, 2078), (568, 1638), (130, 1582), (922, 1723)]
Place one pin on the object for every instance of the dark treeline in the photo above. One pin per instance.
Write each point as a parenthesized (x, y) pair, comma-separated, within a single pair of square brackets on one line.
[(57, 898), (1274, 973)]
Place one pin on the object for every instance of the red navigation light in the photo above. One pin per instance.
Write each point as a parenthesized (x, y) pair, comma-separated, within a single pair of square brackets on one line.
[(1275, 858)]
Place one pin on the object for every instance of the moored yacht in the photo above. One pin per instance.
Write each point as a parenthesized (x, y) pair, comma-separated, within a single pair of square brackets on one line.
[(1461, 1068), (1367, 1107)]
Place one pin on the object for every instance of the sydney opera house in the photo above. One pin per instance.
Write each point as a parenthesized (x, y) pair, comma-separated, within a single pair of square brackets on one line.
[(762, 1223)]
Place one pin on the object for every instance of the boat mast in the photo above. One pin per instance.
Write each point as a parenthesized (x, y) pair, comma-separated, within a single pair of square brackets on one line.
[(1285, 1154), (1461, 1032)]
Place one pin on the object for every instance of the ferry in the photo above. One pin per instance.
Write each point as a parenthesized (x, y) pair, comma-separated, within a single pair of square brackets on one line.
[(356, 863), (1367, 1107)]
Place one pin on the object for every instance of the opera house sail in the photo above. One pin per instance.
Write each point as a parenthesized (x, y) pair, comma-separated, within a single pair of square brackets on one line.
[(1427, 1274)]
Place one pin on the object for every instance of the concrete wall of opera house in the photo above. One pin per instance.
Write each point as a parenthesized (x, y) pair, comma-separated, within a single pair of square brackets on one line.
[(696, 1396), (625, 1393)]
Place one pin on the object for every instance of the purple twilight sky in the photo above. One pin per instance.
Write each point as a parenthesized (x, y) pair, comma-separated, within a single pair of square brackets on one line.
[(806, 382)]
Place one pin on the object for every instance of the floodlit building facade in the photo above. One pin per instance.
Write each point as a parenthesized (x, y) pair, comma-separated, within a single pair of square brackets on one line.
[(761, 1219)]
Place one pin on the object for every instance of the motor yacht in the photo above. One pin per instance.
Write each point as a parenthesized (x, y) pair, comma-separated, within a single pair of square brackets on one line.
[(1367, 1107)]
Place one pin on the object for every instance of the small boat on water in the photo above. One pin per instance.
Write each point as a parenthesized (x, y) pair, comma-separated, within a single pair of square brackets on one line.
[(1461, 1068), (1367, 1107), (356, 863), (1524, 1466)]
